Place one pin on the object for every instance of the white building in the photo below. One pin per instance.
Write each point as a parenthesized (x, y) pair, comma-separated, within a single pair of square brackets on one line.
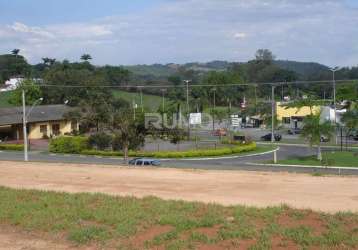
[(11, 84), (328, 114)]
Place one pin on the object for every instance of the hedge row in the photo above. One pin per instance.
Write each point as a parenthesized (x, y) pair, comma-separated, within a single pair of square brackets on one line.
[(177, 154), (80, 145), (12, 147), (69, 144)]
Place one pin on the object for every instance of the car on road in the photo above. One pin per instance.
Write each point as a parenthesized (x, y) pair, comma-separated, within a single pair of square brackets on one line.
[(324, 138), (268, 137), (144, 162)]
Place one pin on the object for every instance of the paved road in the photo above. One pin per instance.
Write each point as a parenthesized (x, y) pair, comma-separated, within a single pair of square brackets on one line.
[(238, 163)]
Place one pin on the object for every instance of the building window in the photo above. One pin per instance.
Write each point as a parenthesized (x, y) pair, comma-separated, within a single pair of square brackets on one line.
[(43, 129), (286, 120)]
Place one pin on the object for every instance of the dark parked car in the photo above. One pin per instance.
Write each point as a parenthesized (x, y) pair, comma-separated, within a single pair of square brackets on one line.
[(324, 139), (144, 162), (268, 137)]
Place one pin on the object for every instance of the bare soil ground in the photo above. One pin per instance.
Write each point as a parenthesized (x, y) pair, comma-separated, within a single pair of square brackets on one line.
[(14, 239), (327, 194)]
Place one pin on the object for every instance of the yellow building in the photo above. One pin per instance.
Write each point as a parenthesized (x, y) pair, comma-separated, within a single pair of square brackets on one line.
[(42, 122), (293, 117)]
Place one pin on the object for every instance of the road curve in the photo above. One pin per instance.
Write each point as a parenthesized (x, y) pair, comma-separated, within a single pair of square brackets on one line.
[(242, 163)]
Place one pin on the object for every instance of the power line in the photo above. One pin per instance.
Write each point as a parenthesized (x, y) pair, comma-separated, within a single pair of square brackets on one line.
[(200, 85)]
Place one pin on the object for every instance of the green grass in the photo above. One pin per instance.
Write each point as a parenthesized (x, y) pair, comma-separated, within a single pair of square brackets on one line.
[(120, 222), (150, 102), (4, 99), (340, 159)]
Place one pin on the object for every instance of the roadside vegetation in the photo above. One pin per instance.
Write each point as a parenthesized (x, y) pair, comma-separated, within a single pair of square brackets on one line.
[(339, 159), (82, 145), (128, 223), (12, 147), (5, 99)]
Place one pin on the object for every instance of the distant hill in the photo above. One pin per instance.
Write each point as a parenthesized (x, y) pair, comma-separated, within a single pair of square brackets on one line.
[(304, 69), (166, 70)]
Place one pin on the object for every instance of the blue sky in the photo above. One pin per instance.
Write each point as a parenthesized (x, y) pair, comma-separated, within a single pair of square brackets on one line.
[(178, 31)]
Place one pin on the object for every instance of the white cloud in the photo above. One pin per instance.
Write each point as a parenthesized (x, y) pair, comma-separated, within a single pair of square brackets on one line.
[(240, 35), (201, 30), (37, 31)]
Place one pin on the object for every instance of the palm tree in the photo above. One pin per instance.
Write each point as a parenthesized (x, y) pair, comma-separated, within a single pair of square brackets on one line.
[(314, 129), (48, 61), (45, 60), (15, 52), (86, 57)]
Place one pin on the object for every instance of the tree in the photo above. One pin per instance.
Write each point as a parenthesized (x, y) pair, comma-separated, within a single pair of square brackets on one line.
[(32, 91), (129, 133), (48, 61), (86, 57), (350, 119), (15, 52), (264, 55), (314, 129)]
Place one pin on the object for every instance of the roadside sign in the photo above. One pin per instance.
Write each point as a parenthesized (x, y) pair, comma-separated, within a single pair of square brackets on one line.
[(195, 119), (235, 120)]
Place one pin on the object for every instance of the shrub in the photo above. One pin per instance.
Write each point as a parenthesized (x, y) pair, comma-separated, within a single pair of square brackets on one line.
[(68, 144), (12, 147), (100, 141)]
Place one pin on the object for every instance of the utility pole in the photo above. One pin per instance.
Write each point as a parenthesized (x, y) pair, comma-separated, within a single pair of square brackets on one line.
[(187, 105), (26, 156), (163, 101), (255, 87), (214, 108), (273, 122), (141, 100), (334, 100), (134, 109)]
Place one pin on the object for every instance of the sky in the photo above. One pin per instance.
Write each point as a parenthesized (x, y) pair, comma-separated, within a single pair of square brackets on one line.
[(122, 32)]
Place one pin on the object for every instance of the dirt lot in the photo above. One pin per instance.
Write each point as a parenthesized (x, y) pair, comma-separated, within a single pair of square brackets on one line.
[(328, 194)]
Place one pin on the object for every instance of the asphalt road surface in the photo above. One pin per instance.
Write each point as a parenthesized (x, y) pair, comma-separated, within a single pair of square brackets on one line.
[(246, 163)]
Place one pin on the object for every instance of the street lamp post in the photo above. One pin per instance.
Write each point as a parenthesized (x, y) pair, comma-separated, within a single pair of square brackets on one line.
[(334, 70), (214, 108), (26, 156), (141, 100), (187, 105), (24, 123)]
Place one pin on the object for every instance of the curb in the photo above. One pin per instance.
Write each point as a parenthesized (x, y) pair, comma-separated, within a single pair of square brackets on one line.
[(302, 145), (221, 158), (302, 166)]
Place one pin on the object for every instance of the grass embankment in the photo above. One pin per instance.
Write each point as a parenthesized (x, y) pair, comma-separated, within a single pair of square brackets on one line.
[(150, 102), (151, 223), (339, 159)]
